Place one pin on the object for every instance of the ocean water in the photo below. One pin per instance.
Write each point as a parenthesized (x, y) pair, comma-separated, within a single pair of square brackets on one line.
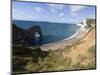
[(52, 32)]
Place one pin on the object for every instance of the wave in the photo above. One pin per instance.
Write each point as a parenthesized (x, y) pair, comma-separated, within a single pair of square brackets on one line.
[(73, 36), (78, 24)]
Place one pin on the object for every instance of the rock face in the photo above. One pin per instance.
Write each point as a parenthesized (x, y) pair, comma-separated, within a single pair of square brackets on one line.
[(22, 36), (34, 29)]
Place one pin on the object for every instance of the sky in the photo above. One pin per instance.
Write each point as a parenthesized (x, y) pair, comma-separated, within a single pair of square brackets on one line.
[(59, 13)]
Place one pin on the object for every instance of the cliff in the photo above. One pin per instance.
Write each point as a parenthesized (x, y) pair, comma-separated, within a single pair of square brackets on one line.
[(83, 52), (22, 36)]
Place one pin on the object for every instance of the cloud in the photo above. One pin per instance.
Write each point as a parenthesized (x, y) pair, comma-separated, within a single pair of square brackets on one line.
[(61, 14), (38, 9), (55, 7), (77, 8), (53, 10), (74, 10)]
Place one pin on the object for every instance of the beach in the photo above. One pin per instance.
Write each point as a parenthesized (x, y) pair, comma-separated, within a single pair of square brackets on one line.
[(66, 42)]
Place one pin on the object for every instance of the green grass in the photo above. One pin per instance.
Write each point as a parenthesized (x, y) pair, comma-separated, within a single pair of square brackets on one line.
[(41, 61), (23, 55), (53, 62)]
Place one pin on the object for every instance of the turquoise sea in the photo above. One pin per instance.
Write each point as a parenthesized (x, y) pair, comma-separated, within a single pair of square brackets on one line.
[(52, 32)]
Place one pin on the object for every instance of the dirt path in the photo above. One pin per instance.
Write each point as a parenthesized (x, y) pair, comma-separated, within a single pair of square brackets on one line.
[(79, 52)]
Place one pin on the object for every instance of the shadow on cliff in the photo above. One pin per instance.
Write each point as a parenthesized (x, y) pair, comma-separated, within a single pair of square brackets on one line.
[(26, 36)]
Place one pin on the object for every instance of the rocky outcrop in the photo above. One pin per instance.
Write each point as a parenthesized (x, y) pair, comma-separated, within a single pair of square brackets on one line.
[(22, 36), (34, 29)]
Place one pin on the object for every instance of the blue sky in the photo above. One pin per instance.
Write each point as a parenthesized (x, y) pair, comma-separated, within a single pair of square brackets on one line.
[(59, 13)]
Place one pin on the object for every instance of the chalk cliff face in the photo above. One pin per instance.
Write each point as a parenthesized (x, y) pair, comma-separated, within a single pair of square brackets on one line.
[(22, 36)]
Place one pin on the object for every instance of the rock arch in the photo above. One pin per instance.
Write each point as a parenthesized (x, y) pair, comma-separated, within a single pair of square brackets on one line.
[(35, 29), (22, 36)]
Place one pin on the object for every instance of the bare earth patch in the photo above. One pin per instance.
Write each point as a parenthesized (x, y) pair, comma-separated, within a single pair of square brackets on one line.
[(80, 53)]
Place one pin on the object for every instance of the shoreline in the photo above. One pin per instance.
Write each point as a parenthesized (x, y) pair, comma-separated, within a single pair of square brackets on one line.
[(72, 36), (66, 42)]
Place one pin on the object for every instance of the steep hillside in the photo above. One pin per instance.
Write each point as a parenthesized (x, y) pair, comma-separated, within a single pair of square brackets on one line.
[(82, 53)]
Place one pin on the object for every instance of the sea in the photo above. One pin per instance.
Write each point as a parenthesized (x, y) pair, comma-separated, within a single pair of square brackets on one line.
[(52, 32)]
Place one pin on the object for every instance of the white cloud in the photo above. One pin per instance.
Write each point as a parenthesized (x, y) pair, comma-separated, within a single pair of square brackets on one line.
[(53, 10), (61, 14), (38, 9), (55, 7), (73, 14), (74, 10)]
